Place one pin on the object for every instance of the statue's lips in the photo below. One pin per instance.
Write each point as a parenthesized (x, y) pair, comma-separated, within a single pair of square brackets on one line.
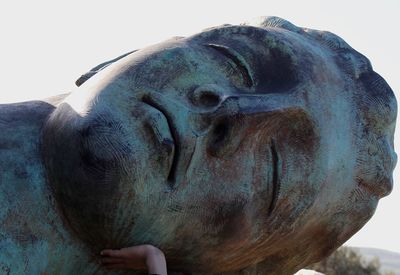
[(168, 137)]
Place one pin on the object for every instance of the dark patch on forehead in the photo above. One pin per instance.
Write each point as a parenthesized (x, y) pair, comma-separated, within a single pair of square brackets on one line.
[(278, 71)]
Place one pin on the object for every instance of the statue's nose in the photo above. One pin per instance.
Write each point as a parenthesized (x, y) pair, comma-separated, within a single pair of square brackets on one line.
[(210, 107), (215, 102), (253, 107), (227, 120)]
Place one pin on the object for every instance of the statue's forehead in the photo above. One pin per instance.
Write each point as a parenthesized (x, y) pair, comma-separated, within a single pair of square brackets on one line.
[(250, 34), (302, 40)]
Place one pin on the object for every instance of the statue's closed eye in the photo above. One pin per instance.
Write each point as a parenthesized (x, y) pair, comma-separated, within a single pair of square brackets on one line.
[(237, 61), (272, 73)]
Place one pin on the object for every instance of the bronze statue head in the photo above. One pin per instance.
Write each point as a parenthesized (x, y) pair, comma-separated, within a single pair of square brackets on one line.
[(239, 145)]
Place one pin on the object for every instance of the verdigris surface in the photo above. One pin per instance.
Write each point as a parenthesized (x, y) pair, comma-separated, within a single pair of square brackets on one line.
[(251, 149)]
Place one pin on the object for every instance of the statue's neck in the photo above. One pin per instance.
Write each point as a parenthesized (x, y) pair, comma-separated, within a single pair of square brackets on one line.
[(30, 219)]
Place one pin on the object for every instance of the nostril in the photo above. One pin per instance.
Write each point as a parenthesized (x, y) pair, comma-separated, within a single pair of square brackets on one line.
[(209, 99), (220, 132), (219, 139), (206, 97)]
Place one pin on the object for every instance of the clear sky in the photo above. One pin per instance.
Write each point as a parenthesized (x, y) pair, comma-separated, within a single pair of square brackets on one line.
[(46, 45)]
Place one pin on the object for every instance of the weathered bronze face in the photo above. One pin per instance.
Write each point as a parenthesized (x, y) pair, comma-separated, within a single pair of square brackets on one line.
[(267, 144)]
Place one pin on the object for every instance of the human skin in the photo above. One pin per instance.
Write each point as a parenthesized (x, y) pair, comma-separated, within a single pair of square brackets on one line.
[(140, 257), (259, 149)]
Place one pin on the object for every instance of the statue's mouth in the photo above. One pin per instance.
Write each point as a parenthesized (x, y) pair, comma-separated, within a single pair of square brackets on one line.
[(174, 143), (175, 152)]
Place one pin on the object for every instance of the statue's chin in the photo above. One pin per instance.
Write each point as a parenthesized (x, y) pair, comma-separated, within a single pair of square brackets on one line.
[(84, 166)]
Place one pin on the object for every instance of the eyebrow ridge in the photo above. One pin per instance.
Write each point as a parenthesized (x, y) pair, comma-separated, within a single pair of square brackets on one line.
[(235, 58)]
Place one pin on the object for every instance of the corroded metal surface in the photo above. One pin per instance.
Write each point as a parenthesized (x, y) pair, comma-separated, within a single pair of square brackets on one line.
[(246, 149)]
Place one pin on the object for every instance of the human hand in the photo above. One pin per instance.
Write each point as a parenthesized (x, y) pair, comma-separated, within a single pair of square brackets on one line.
[(139, 257)]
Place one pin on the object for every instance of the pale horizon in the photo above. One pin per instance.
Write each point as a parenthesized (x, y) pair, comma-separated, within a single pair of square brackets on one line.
[(47, 45)]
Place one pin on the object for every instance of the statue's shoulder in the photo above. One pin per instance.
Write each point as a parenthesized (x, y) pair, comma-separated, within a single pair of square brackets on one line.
[(21, 113), (20, 128)]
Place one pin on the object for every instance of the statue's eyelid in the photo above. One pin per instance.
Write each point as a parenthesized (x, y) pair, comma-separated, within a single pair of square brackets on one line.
[(238, 62)]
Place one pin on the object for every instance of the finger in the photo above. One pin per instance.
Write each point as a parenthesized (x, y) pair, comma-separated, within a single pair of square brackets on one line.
[(111, 252), (116, 266), (111, 260), (134, 252)]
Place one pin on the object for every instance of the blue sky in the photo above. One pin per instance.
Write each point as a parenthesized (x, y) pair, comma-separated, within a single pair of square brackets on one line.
[(46, 45)]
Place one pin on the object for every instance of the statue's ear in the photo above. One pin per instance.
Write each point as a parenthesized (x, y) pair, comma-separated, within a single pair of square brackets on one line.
[(82, 79)]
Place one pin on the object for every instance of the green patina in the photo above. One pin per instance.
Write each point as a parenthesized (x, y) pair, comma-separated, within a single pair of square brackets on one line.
[(232, 150)]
